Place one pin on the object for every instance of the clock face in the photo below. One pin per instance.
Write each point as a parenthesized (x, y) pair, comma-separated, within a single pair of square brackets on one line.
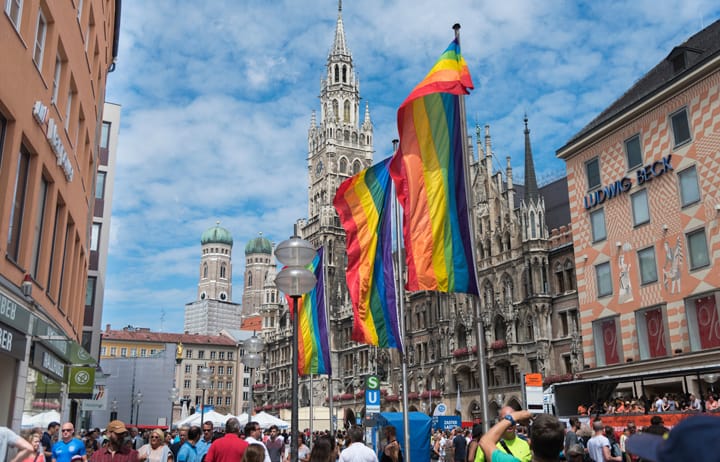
[(319, 168), (202, 296), (223, 296)]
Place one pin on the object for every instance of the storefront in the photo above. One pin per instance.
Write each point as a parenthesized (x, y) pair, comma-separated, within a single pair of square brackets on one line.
[(14, 325)]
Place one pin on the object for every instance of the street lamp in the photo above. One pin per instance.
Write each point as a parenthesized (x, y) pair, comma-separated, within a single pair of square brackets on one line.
[(204, 374), (137, 400), (295, 280), (251, 359), (113, 409), (174, 393)]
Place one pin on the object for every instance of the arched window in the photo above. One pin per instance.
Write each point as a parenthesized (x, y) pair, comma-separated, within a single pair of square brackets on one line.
[(346, 111), (344, 74), (540, 224), (346, 135), (337, 73), (570, 273), (357, 166), (559, 278), (205, 270), (529, 329), (499, 328), (336, 109), (343, 165), (223, 271), (249, 278), (533, 229)]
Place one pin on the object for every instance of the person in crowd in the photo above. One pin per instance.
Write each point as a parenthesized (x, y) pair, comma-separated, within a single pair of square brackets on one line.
[(255, 452), (91, 440), (691, 439), (137, 440), (229, 448), (12, 439), (439, 445), (599, 447), (474, 444), (571, 436), (575, 453), (68, 445), (38, 455), (510, 443), (304, 450), (659, 405), (391, 451), (156, 450), (695, 403), (712, 403), (546, 438), (657, 426), (614, 445), (323, 451), (253, 434), (188, 451), (116, 449), (459, 445), (49, 437), (357, 451), (206, 439), (275, 444), (180, 439), (630, 430)]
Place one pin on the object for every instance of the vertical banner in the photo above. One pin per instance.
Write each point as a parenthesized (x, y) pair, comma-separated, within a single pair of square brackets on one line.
[(708, 322), (655, 333), (81, 382), (610, 343)]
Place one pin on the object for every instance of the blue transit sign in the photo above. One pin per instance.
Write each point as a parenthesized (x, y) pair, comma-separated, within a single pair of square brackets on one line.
[(372, 401)]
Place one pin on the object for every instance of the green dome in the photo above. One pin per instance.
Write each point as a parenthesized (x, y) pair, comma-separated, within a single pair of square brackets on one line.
[(216, 235), (259, 245)]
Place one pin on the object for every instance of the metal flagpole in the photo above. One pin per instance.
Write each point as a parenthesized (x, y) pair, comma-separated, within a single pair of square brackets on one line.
[(312, 404), (480, 329), (327, 320), (399, 283)]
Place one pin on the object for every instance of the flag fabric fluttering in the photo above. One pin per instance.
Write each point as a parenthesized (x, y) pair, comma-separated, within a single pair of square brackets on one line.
[(428, 170), (313, 347), (363, 203)]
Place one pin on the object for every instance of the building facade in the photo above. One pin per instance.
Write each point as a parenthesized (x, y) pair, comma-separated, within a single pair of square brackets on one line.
[(135, 351), (56, 58), (643, 186), (214, 310)]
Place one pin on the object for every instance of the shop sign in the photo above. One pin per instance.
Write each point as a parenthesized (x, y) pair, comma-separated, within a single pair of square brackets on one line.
[(47, 387), (52, 338), (81, 382), (80, 357), (624, 184), (14, 315), (12, 342), (98, 401), (48, 363), (40, 113)]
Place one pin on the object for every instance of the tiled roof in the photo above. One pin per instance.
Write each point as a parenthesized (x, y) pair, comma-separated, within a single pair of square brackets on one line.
[(697, 49), (165, 337), (253, 323)]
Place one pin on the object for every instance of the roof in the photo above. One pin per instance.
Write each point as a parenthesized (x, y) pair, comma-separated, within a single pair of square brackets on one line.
[(144, 335), (252, 323), (216, 235), (696, 50), (259, 244), (557, 201)]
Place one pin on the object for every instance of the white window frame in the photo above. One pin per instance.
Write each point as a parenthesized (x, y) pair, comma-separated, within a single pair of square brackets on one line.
[(642, 333), (595, 231), (95, 236), (676, 142), (692, 318), (689, 175), (598, 280), (638, 202), (640, 255), (40, 36), (68, 108), (18, 13), (56, 79)]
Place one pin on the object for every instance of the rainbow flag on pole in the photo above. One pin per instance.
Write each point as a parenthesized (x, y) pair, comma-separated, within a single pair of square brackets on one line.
[(363, 203), (313, 338), (429, 175)]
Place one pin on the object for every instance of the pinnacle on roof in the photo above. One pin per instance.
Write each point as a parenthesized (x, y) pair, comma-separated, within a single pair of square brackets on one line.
[(531, 187), (339, 45)]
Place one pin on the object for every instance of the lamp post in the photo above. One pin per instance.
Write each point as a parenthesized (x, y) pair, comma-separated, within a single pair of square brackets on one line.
[(174, 393), (113, 409), (137, 401), (204, 374), (252, 359), (295, 280)]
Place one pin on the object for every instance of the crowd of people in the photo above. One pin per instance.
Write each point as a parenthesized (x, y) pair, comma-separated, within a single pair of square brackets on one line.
[(668, 402), (518, 436)]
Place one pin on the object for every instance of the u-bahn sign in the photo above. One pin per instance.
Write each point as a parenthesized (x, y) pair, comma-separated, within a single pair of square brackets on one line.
[(372, 395)]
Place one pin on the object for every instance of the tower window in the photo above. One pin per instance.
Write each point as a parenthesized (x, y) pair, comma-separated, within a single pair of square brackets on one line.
[(346, 112), (223, 271), (249, 280), (337, 73), (344, 74), (205, 271)]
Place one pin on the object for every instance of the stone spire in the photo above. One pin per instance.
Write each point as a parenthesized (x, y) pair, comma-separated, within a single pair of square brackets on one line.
[(367, 123), (339, 46), (531, 187)]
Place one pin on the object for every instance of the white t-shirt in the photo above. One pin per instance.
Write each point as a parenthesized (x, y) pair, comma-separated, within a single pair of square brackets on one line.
[(595, 447), (7, 437), (659, 405), (358, 452)]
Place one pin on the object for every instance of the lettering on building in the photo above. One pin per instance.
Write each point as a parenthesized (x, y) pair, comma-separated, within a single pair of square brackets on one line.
[(40, 113)]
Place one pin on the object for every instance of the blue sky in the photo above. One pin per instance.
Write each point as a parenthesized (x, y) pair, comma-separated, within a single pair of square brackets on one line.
[(217, 98)]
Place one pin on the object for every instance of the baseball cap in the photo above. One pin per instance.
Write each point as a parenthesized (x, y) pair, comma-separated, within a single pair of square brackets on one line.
[(682, 441), (117, 426)]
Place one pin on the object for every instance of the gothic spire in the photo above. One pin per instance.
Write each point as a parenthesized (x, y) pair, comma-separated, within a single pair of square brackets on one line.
[(339, 46), (531, 187)]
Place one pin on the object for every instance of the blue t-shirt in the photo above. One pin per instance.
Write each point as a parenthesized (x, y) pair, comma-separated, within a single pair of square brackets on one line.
[(64, 452), (187, 453), (499, 456)]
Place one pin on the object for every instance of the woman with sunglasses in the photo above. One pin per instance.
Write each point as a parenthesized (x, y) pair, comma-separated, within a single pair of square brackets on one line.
[(156, 450)]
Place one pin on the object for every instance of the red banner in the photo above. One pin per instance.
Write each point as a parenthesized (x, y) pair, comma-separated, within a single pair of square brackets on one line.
[(610, 342), (708, 322), (655, 333)]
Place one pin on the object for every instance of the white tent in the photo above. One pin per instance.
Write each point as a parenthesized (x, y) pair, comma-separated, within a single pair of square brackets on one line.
[(216, 418), (266, 420), (40, 420)]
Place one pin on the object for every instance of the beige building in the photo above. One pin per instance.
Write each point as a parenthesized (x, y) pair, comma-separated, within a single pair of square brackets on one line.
[(56, 56)]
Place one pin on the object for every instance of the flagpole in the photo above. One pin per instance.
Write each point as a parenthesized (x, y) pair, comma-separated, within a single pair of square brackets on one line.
[(399, 283), (312, 404), (480, 329), (329, 366)]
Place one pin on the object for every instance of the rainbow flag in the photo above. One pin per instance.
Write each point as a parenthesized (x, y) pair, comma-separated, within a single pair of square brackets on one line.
[(363, 204), (429, 175), (313, 347)]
